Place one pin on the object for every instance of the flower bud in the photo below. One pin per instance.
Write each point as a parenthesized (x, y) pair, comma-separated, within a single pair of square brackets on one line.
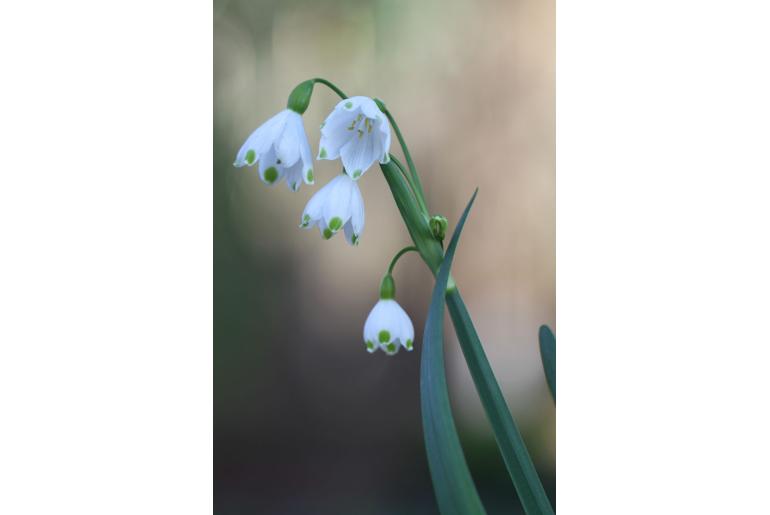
[(299, 99), (438, 225)]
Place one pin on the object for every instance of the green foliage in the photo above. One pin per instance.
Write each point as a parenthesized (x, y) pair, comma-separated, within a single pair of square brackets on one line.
[(509, 440), (454, 488), (548, 355)]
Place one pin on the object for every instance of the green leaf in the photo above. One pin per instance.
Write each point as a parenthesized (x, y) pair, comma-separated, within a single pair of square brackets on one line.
[(509, 440), (455, 491), (548, 355)]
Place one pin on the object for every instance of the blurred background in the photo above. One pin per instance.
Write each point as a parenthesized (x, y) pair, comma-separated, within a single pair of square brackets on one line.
[(306, 421)]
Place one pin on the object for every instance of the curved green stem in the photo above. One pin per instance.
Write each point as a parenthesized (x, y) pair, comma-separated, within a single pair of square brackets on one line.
[(395, 258), (412, 169), (331, 86)]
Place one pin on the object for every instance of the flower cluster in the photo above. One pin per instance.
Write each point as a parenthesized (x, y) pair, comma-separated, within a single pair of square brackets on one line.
[(358, 133)]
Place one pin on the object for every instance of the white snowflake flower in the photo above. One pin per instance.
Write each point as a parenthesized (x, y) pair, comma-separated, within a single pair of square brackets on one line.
[(357, 132), (281, 147), (387, 327), (338, 205)]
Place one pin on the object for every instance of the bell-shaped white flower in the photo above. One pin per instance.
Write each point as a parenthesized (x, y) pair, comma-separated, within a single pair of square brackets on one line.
[(388, 326), (358, 132), (280, 146), (338, 205)]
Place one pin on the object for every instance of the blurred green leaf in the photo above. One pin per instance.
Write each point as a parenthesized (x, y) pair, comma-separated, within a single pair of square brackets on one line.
[(548, 355), (509, 440), (455, 491)]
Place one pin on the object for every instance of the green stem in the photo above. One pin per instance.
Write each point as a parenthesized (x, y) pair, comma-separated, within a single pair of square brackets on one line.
[(395, 258), (331, 86), (412, 169)]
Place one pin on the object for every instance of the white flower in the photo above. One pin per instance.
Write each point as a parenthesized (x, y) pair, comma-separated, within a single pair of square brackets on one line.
[(281, 147), (337, 205), (358, 132), (387, 327)]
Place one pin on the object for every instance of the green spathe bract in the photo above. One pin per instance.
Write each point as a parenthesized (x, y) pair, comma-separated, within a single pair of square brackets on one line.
[(387, 288), (299, 99), (415, 220)]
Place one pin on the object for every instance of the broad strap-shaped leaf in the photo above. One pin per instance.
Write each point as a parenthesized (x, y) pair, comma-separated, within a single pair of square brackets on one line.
[(509, 440), (455, 491), (548, 355)]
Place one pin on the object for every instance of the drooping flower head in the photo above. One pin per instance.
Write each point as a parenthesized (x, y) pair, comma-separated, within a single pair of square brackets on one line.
[(337, 205), (388, 326), (280, 146), (357, 132)]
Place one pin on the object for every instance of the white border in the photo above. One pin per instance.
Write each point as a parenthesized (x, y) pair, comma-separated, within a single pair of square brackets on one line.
[(106, 286), (663, 137)]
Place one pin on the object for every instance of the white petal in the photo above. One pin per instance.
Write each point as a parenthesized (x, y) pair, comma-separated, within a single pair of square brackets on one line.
[(269, 171), (368, 107), (388, 325), (390, 349), (287, 146), (359, 153), (326, 233), (336, 210), (351, 236), (374, 321), (331, 143), (357, 217), (294, 175), (314, 209), (406, 336), (336, 131), (383, 130), (381, 126), (261, 140), (370, 330), (305, 155)]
